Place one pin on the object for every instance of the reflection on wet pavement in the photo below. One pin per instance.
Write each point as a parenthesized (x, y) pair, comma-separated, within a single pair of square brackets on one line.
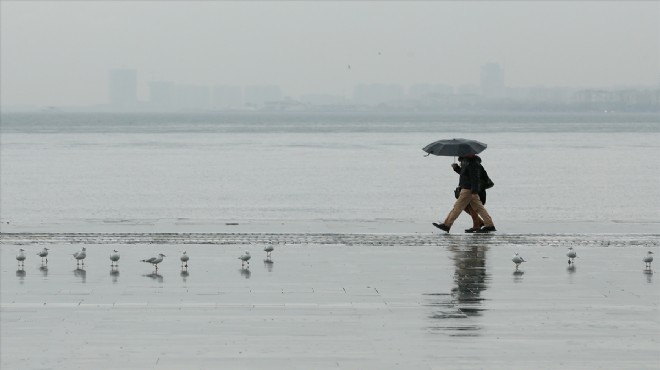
[(81, 273), (245, 273), (154, 275), (184, 274), (456, 309), (114, 272), (268, 263)]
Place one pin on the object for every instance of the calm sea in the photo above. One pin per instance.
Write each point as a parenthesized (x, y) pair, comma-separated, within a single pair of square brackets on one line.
[(76, 172)]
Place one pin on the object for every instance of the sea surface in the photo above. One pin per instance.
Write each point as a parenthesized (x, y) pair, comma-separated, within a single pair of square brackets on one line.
[(184, 172)]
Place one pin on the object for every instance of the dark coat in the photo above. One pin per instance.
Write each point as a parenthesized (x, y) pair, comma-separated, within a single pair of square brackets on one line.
[(466, 178)]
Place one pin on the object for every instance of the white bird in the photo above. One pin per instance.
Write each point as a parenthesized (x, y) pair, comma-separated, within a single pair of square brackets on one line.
[(155, 260), (269, 248), (43, 254), (571, 254), (245, 258), (114, 257), (20, 257), (517, 260), (648, 259), (80, 256), (184, 259)]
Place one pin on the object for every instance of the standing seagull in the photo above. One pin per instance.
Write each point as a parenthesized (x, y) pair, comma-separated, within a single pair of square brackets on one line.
[(517, 260), (184, 259), (269, 248), (114, 257), (648, 259), (43, 254), (80, 256), (155, 260), (571, 254), (20, 257), (245, 258)]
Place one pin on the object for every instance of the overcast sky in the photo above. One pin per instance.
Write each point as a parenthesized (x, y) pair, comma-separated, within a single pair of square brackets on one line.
[(59, 53)]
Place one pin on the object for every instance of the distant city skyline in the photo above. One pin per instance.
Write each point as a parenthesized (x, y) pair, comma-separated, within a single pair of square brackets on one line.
[(58, 53)]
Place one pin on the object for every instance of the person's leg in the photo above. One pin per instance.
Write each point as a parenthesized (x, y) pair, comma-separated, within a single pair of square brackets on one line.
[(476, 220), (460, 204), (475, 202)]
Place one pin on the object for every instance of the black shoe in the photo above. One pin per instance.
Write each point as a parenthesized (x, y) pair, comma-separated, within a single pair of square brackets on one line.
[(486, 229), (442, 227), (471, 230)]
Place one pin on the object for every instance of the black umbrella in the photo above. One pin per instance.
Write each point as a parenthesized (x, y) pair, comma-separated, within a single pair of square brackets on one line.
[(455, 147)]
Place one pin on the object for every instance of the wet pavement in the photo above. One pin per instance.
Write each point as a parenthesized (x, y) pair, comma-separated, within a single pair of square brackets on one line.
[(423, 301)]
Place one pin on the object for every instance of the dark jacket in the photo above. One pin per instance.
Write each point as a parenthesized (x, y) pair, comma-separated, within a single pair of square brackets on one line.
[(470, 174)]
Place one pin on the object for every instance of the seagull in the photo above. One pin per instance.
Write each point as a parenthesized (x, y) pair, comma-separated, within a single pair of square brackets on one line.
[(80, 256), (571, 254), (155, 260), (269, 248), (184, 259), (245, 258), (114, 257), (43, 254), (648, 259), (517, 260), (20, 257)]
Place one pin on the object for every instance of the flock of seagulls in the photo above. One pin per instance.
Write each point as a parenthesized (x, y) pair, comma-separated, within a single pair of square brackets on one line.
[(245, 258), (114, 258), (572, 254)]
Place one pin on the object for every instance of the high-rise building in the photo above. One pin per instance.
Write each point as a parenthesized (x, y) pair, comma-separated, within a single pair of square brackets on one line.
[(122, 88), (492, 80)]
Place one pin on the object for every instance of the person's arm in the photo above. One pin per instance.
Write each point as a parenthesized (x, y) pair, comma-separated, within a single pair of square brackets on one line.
[(456, 168)]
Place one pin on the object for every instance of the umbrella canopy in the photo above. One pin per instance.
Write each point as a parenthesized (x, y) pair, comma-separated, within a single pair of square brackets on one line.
[(455, 147)]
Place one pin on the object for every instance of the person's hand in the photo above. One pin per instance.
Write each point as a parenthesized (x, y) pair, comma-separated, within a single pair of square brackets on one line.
[(454, 166)]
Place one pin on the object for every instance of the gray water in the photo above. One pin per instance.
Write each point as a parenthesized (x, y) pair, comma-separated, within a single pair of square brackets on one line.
[(199, 172)]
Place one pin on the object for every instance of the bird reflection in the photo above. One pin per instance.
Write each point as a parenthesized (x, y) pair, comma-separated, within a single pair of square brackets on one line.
[(648, 273), (20, 274), (81, 273), (114, 273), (571, 268), (44, 270), (154, 275), (464, 300), (268, 263), (245, 273), (517, 276), (184, 274)]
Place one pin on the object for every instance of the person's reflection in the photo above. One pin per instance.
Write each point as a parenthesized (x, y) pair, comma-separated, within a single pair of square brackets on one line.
[(114, 273), (464, 300), (470, 278), (81, 273)]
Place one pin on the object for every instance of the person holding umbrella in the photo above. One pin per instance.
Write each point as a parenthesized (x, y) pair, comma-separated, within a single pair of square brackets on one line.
[(470, 174), (484, 183)]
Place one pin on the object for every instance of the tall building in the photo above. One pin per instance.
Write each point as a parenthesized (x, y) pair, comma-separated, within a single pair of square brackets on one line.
[(122, 89), (492, 80)]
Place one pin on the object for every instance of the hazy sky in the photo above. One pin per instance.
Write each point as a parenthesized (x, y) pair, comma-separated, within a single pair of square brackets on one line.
[(59, 53)]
